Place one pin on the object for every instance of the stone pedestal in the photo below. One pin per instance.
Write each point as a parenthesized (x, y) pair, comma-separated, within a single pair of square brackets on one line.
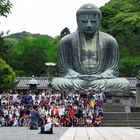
[(138, 97), (138, 92), (125, 98)]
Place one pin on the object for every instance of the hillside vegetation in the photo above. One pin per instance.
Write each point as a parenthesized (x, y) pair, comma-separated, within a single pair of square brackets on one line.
[(28, 53), (121, 18)]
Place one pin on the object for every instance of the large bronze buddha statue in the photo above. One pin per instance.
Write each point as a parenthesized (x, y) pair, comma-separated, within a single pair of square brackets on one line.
[(88, 57)]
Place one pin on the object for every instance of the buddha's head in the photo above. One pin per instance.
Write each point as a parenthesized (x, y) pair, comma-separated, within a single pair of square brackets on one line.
[(88, 18)]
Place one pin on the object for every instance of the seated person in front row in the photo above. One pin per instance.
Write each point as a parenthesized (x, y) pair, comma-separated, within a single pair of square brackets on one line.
[(47, 128)]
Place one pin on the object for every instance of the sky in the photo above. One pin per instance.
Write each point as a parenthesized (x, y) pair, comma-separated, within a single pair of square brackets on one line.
[(44, 16)]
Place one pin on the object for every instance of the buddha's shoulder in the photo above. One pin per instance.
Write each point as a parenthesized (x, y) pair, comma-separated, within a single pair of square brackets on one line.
[(69, 37), (106, 36), (107, 39)]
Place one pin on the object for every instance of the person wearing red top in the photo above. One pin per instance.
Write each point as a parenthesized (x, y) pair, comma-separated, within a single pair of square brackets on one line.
[(43, 101), (72, 112)]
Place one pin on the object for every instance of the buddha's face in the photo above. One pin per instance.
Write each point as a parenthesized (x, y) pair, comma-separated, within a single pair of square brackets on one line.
[(88, 23)]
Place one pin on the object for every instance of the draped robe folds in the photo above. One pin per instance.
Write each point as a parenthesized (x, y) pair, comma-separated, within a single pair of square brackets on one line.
[(70, 64)]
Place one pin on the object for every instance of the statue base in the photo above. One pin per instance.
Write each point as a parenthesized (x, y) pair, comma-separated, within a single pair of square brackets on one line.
[(126, 98)]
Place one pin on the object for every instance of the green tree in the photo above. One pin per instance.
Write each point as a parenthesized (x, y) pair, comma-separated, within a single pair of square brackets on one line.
[(121, 19), (33, 61), (42, 48), (7, 77), (131, 63), (4, 48), (5, 6)]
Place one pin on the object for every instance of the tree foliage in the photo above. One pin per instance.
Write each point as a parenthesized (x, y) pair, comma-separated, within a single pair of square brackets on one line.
[(33, 60), (5, 47), (122, 20), (30, 54), (5, 6), (7, 77)]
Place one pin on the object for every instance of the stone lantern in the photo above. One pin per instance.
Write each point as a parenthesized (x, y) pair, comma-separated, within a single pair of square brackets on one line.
[(49, 65), (33, 83)]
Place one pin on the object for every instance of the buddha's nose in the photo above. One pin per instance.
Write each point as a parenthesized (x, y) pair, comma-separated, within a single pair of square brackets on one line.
[(89, 25)]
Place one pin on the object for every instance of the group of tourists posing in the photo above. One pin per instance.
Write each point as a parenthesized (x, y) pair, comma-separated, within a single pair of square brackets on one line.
[(60, 108)]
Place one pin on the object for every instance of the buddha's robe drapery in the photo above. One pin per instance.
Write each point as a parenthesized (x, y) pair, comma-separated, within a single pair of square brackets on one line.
[(74, 61)]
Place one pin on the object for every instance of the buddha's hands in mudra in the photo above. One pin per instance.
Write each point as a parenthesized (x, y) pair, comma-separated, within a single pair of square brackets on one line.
[(90, 77), (108, 74)]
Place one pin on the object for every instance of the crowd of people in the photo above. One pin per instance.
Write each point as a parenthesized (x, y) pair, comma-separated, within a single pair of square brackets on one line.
[(62, 108)]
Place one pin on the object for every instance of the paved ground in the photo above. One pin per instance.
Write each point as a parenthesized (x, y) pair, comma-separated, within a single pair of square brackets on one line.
[(77, 133), (23, 133)]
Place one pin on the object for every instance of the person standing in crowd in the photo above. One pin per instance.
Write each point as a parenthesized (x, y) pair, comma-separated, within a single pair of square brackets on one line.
[(34, 116)]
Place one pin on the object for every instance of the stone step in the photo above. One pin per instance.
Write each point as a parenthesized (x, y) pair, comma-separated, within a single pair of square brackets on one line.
[(121, 116), (121, 119), (120, 125), (114, 108), (122, 113)]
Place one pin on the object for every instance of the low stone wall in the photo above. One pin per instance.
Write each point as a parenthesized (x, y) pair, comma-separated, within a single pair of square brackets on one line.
[(121, 97)]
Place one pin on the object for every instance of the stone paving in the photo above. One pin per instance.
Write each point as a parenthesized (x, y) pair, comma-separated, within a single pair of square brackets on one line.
[(72, 133), (23, 133)]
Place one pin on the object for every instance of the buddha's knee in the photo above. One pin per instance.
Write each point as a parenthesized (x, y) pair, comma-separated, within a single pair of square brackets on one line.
[(60, 83), (118, 83), (115, 83)]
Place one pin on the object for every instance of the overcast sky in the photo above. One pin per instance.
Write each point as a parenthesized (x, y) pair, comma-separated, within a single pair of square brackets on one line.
[(44, 16)]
